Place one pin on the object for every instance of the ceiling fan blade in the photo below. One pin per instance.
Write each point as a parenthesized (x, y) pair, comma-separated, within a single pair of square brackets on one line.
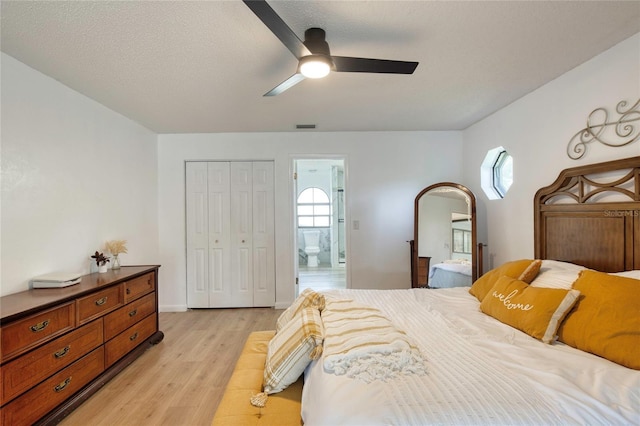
[(278, 27), (347, 64), (288, 83)]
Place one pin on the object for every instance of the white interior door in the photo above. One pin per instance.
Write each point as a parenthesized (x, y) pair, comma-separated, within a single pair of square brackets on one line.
[(296, 245), (242, 234), (264, 282), (197, 235), (219, 239)]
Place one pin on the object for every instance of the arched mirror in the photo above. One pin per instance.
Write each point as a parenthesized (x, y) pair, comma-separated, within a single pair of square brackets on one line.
[(444, 249)]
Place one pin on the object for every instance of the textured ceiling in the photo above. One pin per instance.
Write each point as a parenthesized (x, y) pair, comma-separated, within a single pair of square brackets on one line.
[(202, 66)]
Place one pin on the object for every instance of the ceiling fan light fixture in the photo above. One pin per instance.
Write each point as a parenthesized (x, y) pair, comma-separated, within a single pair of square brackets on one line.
[(315, 66)]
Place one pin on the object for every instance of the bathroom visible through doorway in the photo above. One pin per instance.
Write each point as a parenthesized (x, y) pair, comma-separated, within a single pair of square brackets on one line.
[(320, 231)]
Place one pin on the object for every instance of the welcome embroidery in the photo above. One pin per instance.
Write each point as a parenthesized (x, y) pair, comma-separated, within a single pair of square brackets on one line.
[(506, 301)]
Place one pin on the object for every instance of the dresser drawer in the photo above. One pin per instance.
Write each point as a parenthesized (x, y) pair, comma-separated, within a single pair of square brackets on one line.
[(99, 303), (118, 321), (139, 286), (129, 339), (28, 408), (22, 335), (21, 374)]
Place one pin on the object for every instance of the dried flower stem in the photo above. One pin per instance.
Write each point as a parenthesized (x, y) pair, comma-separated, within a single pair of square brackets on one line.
[(116, 247)]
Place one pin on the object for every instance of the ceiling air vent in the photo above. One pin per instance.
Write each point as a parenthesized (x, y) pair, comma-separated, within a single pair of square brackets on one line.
[(305, 126)]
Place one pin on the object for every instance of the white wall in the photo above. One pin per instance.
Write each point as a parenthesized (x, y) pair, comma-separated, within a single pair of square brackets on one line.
[(384, 172), (535, 130), (74, 174)]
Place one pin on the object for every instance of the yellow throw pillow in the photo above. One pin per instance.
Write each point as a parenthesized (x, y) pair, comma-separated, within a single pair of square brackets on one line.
[(606, 319), (513, 269), (292, 349), (534, 310), (307, 298), (531, 272)]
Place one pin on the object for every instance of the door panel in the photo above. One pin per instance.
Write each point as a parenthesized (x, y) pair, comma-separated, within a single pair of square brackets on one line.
[(217, 273), (220, 285), (264, 275), (200, 265), (241, 238)]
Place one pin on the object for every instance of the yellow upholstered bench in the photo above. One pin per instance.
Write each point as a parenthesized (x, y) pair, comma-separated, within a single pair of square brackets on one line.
[(282, 409)]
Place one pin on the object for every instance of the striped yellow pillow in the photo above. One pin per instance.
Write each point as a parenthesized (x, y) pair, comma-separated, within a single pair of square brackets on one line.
[(535, 310), (307, 298), (292, 349)]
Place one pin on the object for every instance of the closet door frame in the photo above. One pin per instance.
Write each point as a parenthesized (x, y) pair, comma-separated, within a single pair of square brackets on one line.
[(230, 225)]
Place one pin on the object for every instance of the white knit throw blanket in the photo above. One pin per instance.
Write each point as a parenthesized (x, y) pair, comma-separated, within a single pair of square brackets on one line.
[(364, 344)]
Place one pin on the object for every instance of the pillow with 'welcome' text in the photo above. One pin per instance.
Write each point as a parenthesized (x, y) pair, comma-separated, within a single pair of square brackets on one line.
[(536, 311)]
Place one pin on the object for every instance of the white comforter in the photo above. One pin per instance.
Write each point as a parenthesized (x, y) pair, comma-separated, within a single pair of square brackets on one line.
[(460, 268), (479, 371)]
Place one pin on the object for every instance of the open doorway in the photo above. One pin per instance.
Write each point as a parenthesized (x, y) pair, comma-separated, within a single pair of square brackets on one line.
[(320, 231)]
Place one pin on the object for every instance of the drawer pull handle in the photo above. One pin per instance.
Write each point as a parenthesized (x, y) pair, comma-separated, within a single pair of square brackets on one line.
[(40, 326), (132, 313), (61, 386), (134, 337), (62, 352), (102, 301), (128, 291)]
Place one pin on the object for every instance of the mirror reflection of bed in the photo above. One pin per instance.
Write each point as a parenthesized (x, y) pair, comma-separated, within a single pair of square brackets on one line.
[(444, 237)]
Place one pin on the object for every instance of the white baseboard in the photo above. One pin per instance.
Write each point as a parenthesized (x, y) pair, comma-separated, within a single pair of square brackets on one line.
[(183, 308), (283, 305), (172, 308)]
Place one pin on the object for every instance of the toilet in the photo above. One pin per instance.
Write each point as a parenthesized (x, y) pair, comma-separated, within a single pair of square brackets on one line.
[(312, 247)]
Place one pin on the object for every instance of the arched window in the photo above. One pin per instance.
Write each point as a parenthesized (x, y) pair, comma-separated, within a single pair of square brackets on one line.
[(496, 173), (503, 173), (314, 209)]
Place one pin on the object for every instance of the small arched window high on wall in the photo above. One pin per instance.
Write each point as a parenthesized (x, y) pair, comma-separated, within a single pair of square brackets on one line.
[(496, 173), (314, 209)]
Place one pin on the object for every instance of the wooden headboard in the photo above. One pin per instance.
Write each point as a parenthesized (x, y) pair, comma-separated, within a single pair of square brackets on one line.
[(590, 216)]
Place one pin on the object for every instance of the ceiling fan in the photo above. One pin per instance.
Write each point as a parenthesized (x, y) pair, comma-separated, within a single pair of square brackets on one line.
[(314, 57)]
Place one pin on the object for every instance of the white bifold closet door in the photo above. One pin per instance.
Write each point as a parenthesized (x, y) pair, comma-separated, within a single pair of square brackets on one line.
[(230, 234)]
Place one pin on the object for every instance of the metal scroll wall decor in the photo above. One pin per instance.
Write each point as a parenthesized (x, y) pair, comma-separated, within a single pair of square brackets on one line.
[(621, 132)]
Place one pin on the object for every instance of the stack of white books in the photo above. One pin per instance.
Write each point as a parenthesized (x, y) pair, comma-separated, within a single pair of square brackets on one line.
[(56, 280)]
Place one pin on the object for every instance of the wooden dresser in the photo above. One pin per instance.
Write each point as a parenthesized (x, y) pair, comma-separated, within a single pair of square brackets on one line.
[(59, 346)]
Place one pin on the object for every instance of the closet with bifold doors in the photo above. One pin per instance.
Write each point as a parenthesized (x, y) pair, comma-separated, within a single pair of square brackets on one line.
[(230, 234)]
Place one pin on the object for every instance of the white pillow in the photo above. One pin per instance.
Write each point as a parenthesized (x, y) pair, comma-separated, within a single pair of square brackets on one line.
[(556, 274), (558, 264), (629, 274)]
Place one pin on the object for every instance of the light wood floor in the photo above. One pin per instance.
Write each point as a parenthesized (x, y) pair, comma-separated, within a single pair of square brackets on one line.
[(322, 278), (180, 381)]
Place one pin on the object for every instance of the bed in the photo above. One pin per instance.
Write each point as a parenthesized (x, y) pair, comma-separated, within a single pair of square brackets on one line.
[(477, 369), (450, 273)]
